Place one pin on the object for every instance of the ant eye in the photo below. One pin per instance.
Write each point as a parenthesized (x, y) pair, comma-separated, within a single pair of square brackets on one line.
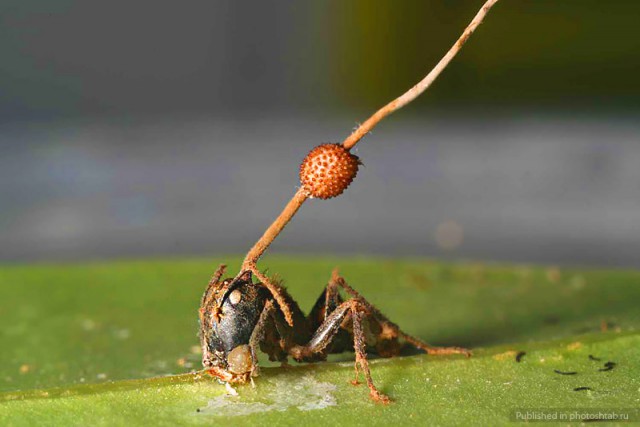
[(235, 297)]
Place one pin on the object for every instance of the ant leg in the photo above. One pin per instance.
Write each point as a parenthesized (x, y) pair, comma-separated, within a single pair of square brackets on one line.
[(323, 335), (258, 336), (433, 350), (355, 309), (326, 303), (277, 291), (215, 279), (272, 334), (390, 330), (206, 301), (359, 345)]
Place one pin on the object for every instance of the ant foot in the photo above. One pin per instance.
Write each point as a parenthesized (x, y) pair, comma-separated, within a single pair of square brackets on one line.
[(380, 398)]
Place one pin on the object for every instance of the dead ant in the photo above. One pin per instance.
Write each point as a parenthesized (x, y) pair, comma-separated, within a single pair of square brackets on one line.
[(238, 317)]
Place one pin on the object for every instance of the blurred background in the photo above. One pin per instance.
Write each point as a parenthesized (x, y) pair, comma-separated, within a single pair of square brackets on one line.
[(163, 128)]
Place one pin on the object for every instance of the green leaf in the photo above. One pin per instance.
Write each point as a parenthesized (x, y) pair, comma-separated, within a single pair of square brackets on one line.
[(113, 344)]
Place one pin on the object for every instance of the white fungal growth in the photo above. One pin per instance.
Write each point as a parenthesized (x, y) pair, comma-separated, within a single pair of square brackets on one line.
[(305, 394)]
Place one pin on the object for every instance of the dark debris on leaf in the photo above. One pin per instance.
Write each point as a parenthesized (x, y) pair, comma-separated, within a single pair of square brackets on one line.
[(608, 366), (564, 372)]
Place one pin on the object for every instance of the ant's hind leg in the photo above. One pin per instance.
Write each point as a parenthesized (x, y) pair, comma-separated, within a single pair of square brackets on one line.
[(430, 349), (390, 330)]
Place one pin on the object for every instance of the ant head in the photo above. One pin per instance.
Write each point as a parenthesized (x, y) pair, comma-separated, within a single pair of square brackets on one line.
[(228, 316)]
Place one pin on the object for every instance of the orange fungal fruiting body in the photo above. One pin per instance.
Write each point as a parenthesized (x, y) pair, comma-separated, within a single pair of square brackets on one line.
[(328, 170)]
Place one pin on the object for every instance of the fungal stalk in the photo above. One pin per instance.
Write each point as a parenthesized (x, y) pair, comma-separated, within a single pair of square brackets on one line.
[(329, 168)]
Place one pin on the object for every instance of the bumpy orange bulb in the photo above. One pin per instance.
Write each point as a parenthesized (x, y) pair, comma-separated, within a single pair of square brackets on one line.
[(328, 170)]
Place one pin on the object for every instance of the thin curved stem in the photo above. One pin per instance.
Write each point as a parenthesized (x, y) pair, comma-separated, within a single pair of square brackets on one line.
[(422, 85), (275, 228)]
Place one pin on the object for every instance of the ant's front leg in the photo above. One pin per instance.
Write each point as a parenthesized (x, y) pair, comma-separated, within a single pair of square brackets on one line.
[(355, 310), (259, 335), (272, 334)]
